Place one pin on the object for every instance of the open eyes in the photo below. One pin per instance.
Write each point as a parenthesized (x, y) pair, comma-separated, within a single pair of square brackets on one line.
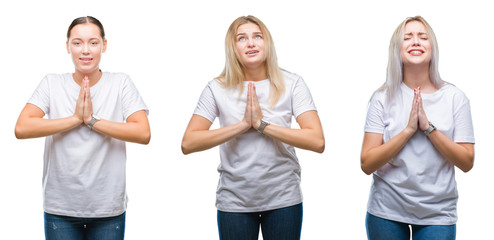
[(242, 38)]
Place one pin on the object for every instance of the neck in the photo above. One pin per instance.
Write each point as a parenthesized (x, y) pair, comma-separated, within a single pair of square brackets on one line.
[(94, 77), (256, 74), (418, 76)]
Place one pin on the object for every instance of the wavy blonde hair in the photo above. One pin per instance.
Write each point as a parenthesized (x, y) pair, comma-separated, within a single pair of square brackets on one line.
[(394, 75), (233, 75)]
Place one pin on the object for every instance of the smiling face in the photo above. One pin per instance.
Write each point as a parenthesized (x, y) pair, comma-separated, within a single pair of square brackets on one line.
[(249, 43), (416, 47), (85, 44)]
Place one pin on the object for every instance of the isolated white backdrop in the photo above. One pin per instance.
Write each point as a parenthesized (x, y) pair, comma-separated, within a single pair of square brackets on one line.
[(171, 49)]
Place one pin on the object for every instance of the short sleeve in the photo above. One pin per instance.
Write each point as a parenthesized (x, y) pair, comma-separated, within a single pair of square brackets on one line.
[(463, 131), (374, 121), (206, 106), (41, 96), (301, 98), (131, 99)]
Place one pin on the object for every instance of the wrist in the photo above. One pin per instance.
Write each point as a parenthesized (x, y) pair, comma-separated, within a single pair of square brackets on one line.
[(244, 125), (77, 119), (262, 124), (429, 129), (92, 121), (409, 131), (257, 124)]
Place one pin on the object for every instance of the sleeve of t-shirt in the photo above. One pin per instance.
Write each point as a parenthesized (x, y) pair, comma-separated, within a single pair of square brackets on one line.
[(463, 120), (374, 121), (131, 99), (41, 96), (206, 106), (301, 98)]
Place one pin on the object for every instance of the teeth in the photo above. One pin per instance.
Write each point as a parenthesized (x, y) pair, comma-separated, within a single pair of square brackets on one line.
[(415, 52)]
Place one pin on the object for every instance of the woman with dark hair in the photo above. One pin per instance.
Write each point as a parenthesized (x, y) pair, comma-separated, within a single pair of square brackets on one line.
[(255, 101), (90, 115), (418, 129)]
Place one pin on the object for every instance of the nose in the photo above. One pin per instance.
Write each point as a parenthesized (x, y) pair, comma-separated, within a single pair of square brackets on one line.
[(251, 42), (85, 49), (416, 40)]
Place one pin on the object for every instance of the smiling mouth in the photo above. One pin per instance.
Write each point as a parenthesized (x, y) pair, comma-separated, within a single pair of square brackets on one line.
[(416, 52)]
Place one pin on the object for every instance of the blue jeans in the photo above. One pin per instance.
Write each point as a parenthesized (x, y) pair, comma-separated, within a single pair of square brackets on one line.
[(380, 228), (74, 228), (278, 224)]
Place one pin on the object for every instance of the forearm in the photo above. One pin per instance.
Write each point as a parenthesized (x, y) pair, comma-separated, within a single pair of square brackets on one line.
[(309, 139), (128, 131), (199, 140), (34, 127), (460, 155), (373, 158)]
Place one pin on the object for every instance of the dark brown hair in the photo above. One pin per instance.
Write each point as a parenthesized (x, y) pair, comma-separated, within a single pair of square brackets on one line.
[(87, 19)]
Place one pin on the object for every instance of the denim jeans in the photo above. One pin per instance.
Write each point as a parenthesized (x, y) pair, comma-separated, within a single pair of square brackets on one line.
[(74, 228), (379, 228), (279, 224)]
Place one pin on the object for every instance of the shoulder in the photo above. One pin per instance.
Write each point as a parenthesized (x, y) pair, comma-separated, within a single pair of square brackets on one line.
[(215, 85), (450, 90), (289, 77), (117, 76), (53, 77), (55, 81), (379, 95)]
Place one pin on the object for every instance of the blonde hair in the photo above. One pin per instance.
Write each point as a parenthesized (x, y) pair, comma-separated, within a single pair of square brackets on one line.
[(394, 75), (233, 75)]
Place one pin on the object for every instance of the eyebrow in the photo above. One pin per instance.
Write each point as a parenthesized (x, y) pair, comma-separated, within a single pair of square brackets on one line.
[(238, 34), (80, 39), (419, 33)]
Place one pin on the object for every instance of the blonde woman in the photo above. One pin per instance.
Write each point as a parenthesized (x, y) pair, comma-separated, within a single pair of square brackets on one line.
[(418, 129), (255, 101), (90, 116)]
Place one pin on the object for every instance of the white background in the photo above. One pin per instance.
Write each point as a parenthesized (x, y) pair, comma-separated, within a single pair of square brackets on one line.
[(171, 50)]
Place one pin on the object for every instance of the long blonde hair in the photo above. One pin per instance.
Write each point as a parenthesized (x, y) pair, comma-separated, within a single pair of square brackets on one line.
[(233, 75), (394, 75)]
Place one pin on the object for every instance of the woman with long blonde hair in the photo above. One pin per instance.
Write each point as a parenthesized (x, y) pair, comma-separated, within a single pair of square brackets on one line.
[(255, 101), (418, 129)]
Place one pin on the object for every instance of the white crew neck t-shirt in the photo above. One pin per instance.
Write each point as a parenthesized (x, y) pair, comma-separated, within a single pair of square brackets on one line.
[(418, 185), (84, 171), (257, 172)]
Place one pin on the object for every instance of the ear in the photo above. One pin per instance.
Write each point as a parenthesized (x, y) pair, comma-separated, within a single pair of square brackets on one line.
[(104, 45), (67, 45)]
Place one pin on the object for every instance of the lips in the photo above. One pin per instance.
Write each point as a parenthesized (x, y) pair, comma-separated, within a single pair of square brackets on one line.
[(416, 52), (86, 60), (252, 52)]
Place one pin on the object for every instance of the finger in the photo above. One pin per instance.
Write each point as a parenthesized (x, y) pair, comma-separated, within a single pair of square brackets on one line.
[(414, 102)]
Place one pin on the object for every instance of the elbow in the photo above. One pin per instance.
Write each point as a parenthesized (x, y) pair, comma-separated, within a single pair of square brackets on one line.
[(365, 169), (145, 138), (468, 166), (185, 148), (320, 146), (365, 166), (20, 133)]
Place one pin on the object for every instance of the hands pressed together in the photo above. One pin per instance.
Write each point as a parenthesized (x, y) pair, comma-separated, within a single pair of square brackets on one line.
[(253, 113), (418, 119), (84, 106)]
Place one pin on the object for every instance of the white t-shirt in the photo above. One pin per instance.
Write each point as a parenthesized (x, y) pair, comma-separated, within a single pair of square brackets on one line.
[(84, 171), (418, 185), (257, 173)]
